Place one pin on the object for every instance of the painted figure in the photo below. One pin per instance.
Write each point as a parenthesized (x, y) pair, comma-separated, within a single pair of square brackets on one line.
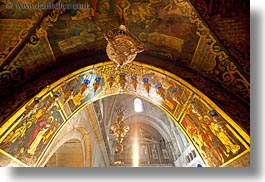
[(176, 95), (123, 6), (29, 109), (68, 95), (147, 85), (13, 136), (160, 91), (218, 127), (122, 81), (110, 81), (96, 84), (83, 92), (134, 82), (159, 39), (38, 135), (35, 133)]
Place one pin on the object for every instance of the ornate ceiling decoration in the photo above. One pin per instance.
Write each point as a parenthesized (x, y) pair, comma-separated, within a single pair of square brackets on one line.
[(25, 136), (230, 22), (40, 46), (122, 47)]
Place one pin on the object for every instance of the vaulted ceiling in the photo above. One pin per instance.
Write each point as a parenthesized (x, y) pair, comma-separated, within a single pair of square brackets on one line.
[(205, 42), (153, 121)]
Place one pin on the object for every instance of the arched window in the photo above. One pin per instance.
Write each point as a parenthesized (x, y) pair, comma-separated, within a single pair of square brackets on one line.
[(138, 105)]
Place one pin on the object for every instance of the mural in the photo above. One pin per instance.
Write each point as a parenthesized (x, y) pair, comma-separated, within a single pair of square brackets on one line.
[(230, 20), (210, 134), (15, 26), (27, 135), (163, 27), (172, 31), (77, 28), (34, 129)]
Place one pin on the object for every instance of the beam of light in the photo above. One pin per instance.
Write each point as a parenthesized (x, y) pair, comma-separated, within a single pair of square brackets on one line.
[(136, 153)]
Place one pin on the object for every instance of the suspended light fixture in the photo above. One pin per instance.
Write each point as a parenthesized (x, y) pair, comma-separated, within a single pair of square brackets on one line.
[(122, 46), (119, 130)]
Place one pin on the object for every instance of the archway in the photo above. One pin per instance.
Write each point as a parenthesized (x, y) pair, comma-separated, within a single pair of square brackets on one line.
[(68, 155), (70, 148), (218, 139)]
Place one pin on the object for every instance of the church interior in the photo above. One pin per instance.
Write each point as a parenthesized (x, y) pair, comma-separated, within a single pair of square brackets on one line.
[(125, 83)]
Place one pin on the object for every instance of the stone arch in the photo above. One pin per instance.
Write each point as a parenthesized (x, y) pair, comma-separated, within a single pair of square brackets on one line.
[(81, 134), (149, 120)]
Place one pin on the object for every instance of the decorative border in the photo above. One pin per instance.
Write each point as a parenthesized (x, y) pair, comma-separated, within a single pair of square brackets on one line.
[(59, 102)]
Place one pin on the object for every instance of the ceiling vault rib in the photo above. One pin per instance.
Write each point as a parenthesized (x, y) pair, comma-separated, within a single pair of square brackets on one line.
[(234, 55), (26, 40), (194, 66)]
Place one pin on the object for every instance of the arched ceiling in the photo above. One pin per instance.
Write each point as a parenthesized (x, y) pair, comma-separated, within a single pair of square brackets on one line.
[(153, 121), (205, 43), (57, 104), (153, 124), (230, 22)]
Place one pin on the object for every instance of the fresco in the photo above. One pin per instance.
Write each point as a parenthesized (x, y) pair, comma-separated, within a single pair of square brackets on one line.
[(211, 134), (161, 25), (26, 136), (34, 58), (169, 30), (80, 90), (172, 31), (18, 21), (165, 26), (77, 28), (230, 20), (34, 129), (15, 25)]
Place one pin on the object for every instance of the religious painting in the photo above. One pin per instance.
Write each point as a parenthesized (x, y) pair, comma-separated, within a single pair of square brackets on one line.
[(81, 89), (15, 25), (77, 28), (103, 8), (212, 136), (168, 30), (205, 43), (34, 129), (70, 35), (218, 140)]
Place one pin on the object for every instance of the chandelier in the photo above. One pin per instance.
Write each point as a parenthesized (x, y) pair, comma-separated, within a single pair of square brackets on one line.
[(119, 130), (122, 46)]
